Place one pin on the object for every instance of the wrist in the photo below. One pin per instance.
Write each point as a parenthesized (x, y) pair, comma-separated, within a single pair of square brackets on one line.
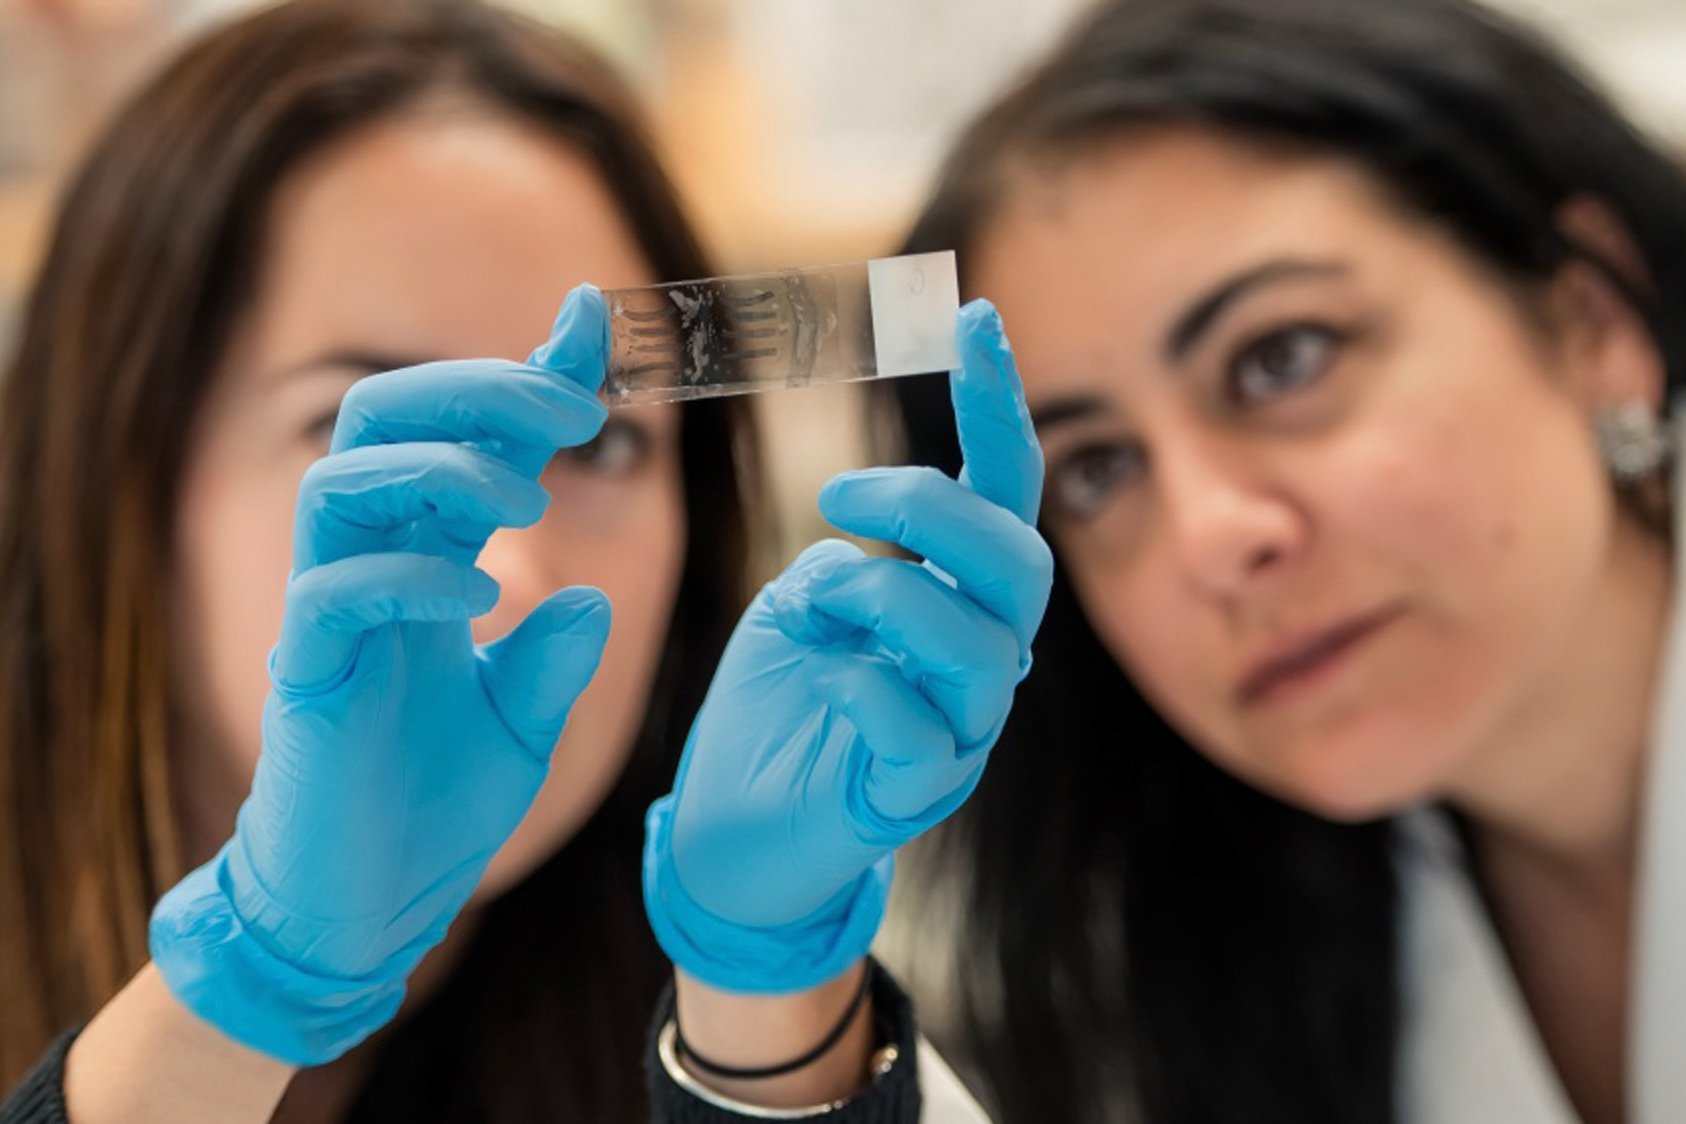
[(146, 1059), (738, 1070), (742, 1045), (758, 960), (876, 1080), (228, 975)]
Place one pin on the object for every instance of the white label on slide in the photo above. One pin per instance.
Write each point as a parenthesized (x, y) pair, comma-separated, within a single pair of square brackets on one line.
[(915, 299)]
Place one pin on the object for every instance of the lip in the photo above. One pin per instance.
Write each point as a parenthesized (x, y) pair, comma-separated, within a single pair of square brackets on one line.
[(1309, 656)]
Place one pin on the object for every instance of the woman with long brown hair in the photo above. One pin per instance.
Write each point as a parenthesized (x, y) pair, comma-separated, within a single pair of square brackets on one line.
[(317, 192), (259, 302)]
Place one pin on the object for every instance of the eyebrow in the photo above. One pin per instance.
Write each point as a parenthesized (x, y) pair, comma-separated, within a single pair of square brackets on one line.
[(361, 362), (1198, 320), (1064, 411)]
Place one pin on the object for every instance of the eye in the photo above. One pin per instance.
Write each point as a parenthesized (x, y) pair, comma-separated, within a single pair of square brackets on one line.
[(619, 449), (1081, 482), (1280, 362)]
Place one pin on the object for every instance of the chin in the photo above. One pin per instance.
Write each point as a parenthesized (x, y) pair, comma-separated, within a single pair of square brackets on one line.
[(544, 832), (1347, 806), (579, 781), (1346, 780)]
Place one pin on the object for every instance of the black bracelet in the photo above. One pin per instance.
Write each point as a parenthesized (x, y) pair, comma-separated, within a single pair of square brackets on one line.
[(734, 1073)]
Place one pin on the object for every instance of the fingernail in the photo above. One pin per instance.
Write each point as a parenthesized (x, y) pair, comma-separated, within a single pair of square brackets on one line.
[(572, 309), (983, 338), (858, 476), (595, 619), (542, 354), (587, 601), (838, 486), (795, 616), (481, 591), (984, 321)]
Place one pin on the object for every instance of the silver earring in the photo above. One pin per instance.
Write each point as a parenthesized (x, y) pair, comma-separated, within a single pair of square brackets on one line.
[(1633, 440)]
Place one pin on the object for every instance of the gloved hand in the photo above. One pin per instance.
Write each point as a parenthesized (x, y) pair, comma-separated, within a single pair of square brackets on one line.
[(397, 754), (856, 703)]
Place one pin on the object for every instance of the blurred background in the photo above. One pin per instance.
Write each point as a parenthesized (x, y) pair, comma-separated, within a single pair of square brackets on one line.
[(802, 131)]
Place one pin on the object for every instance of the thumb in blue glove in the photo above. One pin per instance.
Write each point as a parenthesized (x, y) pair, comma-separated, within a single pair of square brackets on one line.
[(398, 755), (856, 703)]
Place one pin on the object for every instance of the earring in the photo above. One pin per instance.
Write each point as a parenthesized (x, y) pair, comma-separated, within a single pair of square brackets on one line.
[(1632, 439)]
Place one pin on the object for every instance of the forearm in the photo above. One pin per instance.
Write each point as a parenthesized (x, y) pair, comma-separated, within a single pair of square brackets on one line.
[(146, 1058)]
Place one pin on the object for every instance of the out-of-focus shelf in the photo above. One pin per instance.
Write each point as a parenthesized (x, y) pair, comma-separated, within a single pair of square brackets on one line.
[(1633, 48)]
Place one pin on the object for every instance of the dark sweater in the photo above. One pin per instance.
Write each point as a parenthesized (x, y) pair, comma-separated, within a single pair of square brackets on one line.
[(40, 1098), (892, 1099)]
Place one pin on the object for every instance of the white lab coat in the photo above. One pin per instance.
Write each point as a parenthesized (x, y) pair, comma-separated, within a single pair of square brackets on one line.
[(944, 1099), (1469, 1051)]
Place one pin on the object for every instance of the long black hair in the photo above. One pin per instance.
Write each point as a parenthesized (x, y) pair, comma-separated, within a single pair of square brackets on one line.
[(1146, 937), (149, 269)]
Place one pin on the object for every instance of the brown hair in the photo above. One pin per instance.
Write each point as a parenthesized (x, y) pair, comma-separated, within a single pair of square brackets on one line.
[(150, 265)]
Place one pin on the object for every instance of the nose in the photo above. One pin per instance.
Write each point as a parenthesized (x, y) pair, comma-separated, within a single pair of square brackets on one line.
[(1232, 526)]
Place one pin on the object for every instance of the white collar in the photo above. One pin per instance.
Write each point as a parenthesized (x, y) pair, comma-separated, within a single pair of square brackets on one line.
[(1657, 1027), (1469, 1052)]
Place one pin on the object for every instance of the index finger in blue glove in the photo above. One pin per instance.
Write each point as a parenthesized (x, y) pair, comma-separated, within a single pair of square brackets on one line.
[(522, 414), (578, 347), (370, 500), (330, 608), (993, 556), (1003, 461)]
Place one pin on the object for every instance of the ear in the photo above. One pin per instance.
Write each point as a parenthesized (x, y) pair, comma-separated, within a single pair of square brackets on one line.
[(1613, 356)]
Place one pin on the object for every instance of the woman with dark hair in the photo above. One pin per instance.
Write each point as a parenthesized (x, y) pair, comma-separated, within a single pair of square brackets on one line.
[(1349, 783), (317, 192)]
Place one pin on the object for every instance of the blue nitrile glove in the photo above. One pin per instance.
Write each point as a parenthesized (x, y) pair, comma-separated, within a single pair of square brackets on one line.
[(856, 703), (398, 755)]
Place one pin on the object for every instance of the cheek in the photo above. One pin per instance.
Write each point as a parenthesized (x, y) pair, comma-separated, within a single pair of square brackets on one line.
[(1491, 535), (1144, 618), (628, 541), (234, 550), (1496, 518)]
